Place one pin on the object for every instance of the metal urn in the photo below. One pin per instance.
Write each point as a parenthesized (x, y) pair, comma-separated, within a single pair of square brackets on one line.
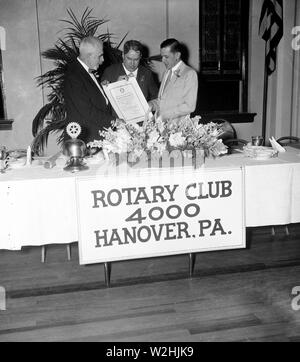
[(3, 159), (75, 149)]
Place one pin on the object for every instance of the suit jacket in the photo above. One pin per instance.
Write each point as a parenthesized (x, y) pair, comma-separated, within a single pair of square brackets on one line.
[(144, 78), (180, 95), (85, 103)]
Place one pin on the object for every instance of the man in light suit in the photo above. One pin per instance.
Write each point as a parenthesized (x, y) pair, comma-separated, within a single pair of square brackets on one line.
[(131, 67), (85, 100), (177, 95)]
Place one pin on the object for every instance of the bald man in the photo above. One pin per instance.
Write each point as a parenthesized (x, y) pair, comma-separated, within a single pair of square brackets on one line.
[(85, 100)]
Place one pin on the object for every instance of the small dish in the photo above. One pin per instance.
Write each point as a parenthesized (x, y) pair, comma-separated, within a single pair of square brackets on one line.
[(259, 152), (17, 163)]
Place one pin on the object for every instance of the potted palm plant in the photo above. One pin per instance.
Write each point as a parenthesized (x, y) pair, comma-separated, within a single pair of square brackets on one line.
[(51, 118)]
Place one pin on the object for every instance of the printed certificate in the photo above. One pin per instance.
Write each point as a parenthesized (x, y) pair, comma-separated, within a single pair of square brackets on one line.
[(127, 99)]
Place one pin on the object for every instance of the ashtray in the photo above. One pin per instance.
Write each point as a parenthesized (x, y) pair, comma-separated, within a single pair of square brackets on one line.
[(259, 152)]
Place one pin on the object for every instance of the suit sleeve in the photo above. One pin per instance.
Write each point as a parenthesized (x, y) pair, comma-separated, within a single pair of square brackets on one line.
[(106, 75), (111, 73), (189, 97), (81, 107), (152, 87)]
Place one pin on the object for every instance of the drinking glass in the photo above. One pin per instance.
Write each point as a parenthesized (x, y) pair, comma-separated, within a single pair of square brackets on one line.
[(257, 141)]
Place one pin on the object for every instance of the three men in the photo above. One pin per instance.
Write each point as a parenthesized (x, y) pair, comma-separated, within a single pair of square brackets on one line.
[(85, 99), (178, 90)]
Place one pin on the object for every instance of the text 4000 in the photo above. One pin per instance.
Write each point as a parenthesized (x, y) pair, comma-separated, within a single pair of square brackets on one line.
[(172, 212)]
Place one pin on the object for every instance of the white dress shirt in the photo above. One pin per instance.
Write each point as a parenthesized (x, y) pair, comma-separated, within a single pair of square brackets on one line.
[(94, 79), (128, 72)]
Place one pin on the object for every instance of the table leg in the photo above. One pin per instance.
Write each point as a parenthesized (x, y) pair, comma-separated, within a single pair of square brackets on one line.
[(248, 237), (69, 251), (192, 260), (273, 231), (43, 256), (287, 232), (107, 272)]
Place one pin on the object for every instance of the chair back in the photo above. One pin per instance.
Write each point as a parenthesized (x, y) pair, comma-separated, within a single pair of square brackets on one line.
[(286, 140), (234, 143), (228, 130)]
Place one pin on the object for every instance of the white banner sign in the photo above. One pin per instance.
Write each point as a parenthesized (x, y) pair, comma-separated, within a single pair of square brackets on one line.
[(159, 214)]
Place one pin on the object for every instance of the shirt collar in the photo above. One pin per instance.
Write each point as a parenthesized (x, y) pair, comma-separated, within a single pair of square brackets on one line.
[(83, 64), (128, 72), (176, 66)]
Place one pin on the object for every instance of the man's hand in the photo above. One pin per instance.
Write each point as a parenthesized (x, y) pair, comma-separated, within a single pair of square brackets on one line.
[(153, 106), (104, 82), (92, 151), (123, 77), (119, 122)]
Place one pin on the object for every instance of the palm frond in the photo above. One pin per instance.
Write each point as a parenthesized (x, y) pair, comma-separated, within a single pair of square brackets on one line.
[(40, 141), (154, 57), (118, 46), (38, 120)]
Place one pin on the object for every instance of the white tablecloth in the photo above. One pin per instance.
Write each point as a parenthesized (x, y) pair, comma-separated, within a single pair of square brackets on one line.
[(38, 205)]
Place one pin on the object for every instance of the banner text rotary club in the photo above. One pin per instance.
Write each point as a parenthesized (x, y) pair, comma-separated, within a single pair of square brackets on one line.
[(158, 196)]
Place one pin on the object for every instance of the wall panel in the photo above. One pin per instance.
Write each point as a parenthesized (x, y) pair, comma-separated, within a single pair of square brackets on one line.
[(21, 67)]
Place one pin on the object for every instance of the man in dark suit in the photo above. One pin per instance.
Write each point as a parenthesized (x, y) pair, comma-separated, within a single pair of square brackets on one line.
[(84, 97), (131, 67)]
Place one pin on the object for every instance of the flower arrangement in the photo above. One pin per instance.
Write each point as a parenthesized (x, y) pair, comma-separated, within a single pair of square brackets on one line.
[(156, 136)]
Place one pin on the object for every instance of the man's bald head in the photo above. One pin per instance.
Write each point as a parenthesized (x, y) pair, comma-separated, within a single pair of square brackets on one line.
[(91, 52)]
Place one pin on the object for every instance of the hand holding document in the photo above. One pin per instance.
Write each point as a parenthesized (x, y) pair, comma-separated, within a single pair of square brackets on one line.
[(127, 99)]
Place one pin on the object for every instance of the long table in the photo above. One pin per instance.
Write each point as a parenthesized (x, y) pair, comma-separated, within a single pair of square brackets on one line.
[(38, 205)]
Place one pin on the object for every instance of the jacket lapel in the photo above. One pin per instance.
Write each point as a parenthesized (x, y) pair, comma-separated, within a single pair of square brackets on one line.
[(87, 77), (121, 69), (177, 74), (140, 75)]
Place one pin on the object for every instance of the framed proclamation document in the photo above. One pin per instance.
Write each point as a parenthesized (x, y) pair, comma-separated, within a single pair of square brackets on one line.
[(127, 99)]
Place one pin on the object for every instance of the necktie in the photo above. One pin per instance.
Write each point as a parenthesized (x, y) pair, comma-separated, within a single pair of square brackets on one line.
[(130, 75), (93, 71), (166, 81)]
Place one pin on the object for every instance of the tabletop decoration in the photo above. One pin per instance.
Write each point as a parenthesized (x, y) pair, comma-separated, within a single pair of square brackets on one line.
[(75, 149), (3, 159), (259, 152), (156, 136)]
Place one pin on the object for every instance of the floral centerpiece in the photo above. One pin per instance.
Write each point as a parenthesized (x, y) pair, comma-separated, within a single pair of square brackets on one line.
[(156, 136)]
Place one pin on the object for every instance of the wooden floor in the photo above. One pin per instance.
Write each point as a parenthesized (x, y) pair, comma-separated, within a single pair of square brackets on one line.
[(241, 295)]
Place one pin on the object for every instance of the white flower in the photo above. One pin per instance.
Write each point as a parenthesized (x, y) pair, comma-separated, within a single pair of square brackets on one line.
[(160, 124), (153, 137), (176, 139), (161, 147), (120, 144)]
